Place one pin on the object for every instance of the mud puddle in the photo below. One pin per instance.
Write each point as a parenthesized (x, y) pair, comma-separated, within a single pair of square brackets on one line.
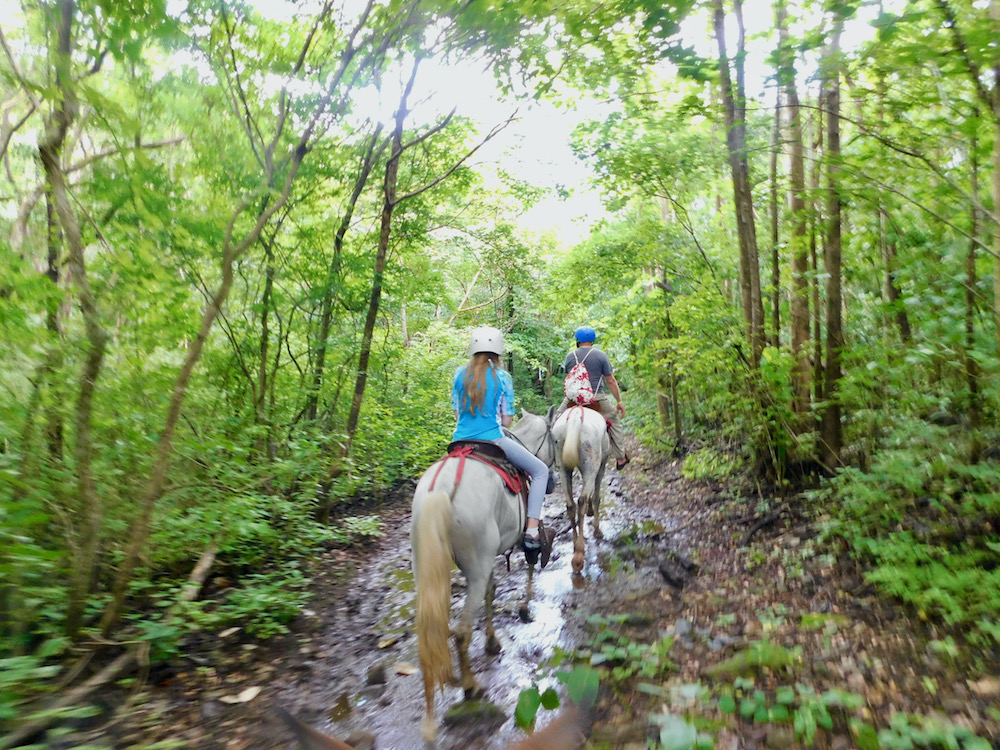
[(365, 676)]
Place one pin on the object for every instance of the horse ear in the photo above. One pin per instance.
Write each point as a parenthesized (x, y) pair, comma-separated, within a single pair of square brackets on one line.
[(526, 413), (550, 417)]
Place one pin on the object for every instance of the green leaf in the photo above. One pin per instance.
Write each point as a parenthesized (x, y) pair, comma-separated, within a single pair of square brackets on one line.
[(527, 707), (864, 734), (550, 699), (582, 685), (785, 695)]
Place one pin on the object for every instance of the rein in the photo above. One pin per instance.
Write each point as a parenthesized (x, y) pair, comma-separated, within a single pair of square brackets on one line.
[(546, 438)]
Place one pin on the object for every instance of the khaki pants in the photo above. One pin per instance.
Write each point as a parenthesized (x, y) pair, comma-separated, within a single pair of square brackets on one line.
[(610, 413)]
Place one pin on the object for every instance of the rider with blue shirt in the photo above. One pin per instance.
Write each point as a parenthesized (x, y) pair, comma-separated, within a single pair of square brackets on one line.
[(482, 397)]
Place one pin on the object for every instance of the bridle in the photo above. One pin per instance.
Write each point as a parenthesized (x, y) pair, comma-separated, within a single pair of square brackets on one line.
[(547, 439)]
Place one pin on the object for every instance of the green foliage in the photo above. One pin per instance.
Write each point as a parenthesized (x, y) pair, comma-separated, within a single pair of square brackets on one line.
[(267, 602), (708, 463), (799, 705), (582, 684), (757, 656), (908, 731), (920, 518), (677, 733), (622, 658)]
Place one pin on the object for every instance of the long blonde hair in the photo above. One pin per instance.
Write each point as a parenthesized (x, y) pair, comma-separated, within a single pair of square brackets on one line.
[(474, 380)]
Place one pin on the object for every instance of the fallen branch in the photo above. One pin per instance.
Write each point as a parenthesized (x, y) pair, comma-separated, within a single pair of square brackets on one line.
[(767, 520)]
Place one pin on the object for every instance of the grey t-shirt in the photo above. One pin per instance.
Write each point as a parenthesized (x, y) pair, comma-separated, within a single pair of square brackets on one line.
[(597, 363)]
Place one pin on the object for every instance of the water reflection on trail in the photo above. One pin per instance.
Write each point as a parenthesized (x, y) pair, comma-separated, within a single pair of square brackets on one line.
[(372, 636)]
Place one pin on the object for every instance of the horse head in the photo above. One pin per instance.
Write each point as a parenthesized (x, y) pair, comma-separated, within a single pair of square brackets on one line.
[(535, 433)]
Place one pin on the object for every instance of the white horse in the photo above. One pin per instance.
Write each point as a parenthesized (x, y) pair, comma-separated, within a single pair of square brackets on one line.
[(468, 522), (582, 443)]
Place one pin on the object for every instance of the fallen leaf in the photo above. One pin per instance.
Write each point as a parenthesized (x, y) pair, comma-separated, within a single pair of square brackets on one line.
[(244, 697), (386, 642), (404, 668)]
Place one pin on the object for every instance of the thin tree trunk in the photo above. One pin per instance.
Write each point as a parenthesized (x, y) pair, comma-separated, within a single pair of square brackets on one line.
[(775, 291), (675, 403), (799, 244), (971, 367), (230, 253), (831, 426), (53, 413), (734, 107), (385, 231), (262, 418), (814, 224), (333, 274), (50, 153), (995, 190), (891, 294), (989, 98)]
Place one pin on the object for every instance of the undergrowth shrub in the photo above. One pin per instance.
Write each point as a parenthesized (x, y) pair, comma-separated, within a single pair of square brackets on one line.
[(924, 522)]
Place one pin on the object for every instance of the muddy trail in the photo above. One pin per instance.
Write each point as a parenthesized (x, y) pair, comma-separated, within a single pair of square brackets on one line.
[(364, 681), (727, 621)]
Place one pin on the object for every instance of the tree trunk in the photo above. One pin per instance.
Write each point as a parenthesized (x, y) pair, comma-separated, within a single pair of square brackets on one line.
[(815, 223), (261, 416), (734, 106), (891, 295), (50, 153), (775, 291), (831, 427), (797, 206), (333, 274), (53, 412), (971, 367), (385, 231)]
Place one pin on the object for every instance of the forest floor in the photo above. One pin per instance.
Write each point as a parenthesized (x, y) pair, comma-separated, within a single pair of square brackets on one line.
[(780, 630)]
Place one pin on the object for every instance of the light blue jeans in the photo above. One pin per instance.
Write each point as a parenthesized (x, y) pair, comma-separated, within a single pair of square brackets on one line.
[(521, 457)]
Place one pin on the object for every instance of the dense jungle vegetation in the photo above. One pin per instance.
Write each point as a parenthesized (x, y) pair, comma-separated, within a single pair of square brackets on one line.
[(240, 252)]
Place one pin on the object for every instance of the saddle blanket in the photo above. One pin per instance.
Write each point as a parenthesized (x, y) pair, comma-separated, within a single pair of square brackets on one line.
[(489, 454)]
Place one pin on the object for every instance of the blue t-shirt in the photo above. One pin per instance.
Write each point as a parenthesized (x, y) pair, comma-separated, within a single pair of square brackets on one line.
[(497, 402)]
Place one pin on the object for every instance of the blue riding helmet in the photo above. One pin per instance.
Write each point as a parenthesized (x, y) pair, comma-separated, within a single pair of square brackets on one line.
[(585, 334)]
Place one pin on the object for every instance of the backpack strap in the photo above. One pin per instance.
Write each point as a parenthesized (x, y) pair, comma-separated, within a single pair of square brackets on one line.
[(600, 381)]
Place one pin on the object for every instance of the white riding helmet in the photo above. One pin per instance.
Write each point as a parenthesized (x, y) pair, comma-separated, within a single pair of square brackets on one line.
[(486, 339)]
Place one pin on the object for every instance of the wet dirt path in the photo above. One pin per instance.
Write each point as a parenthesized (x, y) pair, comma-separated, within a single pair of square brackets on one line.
[(365, 677)]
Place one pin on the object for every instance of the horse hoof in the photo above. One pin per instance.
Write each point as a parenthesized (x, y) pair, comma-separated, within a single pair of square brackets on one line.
[(579, 582), (474, 693), (492, 646), (598, 534), (524, 613), (577, 562)]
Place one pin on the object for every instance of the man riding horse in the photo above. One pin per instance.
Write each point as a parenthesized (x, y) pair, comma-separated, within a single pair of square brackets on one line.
[(601, 374)]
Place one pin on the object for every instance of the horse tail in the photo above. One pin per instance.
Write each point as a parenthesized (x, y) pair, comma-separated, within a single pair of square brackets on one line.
[(432, 567), (571, 447)]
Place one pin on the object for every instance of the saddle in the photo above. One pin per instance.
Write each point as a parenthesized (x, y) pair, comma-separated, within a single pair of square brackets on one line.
[(490, 454)]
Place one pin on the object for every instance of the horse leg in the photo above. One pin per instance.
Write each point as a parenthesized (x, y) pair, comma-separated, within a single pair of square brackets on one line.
[(596, 503), (524, 611), (578, 547), (478, 576), (568, 486), (492, 643)]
